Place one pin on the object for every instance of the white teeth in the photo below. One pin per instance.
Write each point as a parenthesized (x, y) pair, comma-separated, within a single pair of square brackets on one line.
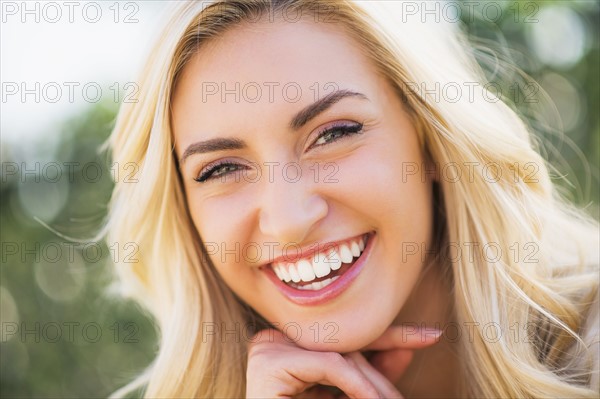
[(355, 249), (306, 271), (317, 285), (345, 254), (278, 272), (284, 273), (320, 265), (333, 260), (293, 273)]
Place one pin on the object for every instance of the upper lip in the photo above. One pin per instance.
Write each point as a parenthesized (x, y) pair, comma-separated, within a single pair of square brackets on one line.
[(308, 251)]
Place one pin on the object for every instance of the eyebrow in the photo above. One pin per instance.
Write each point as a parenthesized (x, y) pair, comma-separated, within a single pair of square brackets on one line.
[(299, 120)]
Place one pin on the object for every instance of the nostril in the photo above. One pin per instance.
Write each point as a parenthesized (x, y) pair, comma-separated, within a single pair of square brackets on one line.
[(291, 218)]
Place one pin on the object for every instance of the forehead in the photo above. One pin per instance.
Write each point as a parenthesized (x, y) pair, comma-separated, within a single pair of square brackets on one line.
[(279, 51), (269, 66)]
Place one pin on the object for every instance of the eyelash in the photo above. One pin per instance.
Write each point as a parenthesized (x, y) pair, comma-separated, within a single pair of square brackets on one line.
[(210, 173), (347, 129)]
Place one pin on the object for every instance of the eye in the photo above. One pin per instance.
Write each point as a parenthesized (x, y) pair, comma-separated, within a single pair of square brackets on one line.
[(337, 131), (218, 170)]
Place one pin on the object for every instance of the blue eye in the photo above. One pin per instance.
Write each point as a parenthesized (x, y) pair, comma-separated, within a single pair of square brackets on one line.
[(218, 170), (336, 132)]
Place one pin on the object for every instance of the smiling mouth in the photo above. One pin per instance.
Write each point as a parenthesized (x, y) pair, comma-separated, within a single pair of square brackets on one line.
[(323, 268)]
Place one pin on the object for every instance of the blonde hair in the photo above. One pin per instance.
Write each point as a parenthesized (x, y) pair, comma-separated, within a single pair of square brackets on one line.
[(176, 282)]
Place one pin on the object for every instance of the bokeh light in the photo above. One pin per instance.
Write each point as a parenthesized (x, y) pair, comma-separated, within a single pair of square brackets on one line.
[(559, 37)]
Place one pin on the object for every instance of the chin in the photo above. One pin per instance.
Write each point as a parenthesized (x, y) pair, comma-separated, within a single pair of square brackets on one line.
[(332, 337)]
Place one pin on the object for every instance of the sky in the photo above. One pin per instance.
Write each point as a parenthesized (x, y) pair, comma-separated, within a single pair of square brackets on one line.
[(57, 58)]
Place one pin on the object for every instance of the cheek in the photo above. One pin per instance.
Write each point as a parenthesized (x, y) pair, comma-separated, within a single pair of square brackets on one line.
[(223, 225), (220, 219), (375, 181)]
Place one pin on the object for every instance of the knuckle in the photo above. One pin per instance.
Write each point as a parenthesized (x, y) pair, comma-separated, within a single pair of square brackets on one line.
[(334, 359), (259, 356)]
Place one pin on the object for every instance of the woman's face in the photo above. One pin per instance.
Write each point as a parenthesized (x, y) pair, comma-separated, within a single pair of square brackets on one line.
[(272, 172)]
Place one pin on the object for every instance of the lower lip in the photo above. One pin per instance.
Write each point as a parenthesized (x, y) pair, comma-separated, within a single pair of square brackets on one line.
[(325, 294)]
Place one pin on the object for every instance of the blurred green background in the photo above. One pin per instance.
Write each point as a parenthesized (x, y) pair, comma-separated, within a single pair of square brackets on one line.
[(65, 333)]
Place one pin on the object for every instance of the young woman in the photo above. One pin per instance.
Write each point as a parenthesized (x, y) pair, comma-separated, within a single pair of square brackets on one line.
[(313, 220)]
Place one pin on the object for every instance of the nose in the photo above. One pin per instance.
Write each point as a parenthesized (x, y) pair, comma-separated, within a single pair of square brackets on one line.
[(290, 210)]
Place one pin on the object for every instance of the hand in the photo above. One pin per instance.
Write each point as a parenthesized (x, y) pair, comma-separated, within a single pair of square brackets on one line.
[(279, 368), (394, 349)]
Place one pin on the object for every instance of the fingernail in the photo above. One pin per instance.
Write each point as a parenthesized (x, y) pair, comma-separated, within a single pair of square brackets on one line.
[(431, 333)]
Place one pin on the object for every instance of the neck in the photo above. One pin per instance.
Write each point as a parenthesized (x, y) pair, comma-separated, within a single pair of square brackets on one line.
[(434, 371)]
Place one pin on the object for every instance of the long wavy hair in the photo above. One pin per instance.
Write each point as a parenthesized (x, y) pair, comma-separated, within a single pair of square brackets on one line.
[(175, 281)]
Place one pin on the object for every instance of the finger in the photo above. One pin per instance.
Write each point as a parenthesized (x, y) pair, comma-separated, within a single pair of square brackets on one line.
[(385, 388), (268, 335), (392, 363), (331, 368), (409, 337)]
